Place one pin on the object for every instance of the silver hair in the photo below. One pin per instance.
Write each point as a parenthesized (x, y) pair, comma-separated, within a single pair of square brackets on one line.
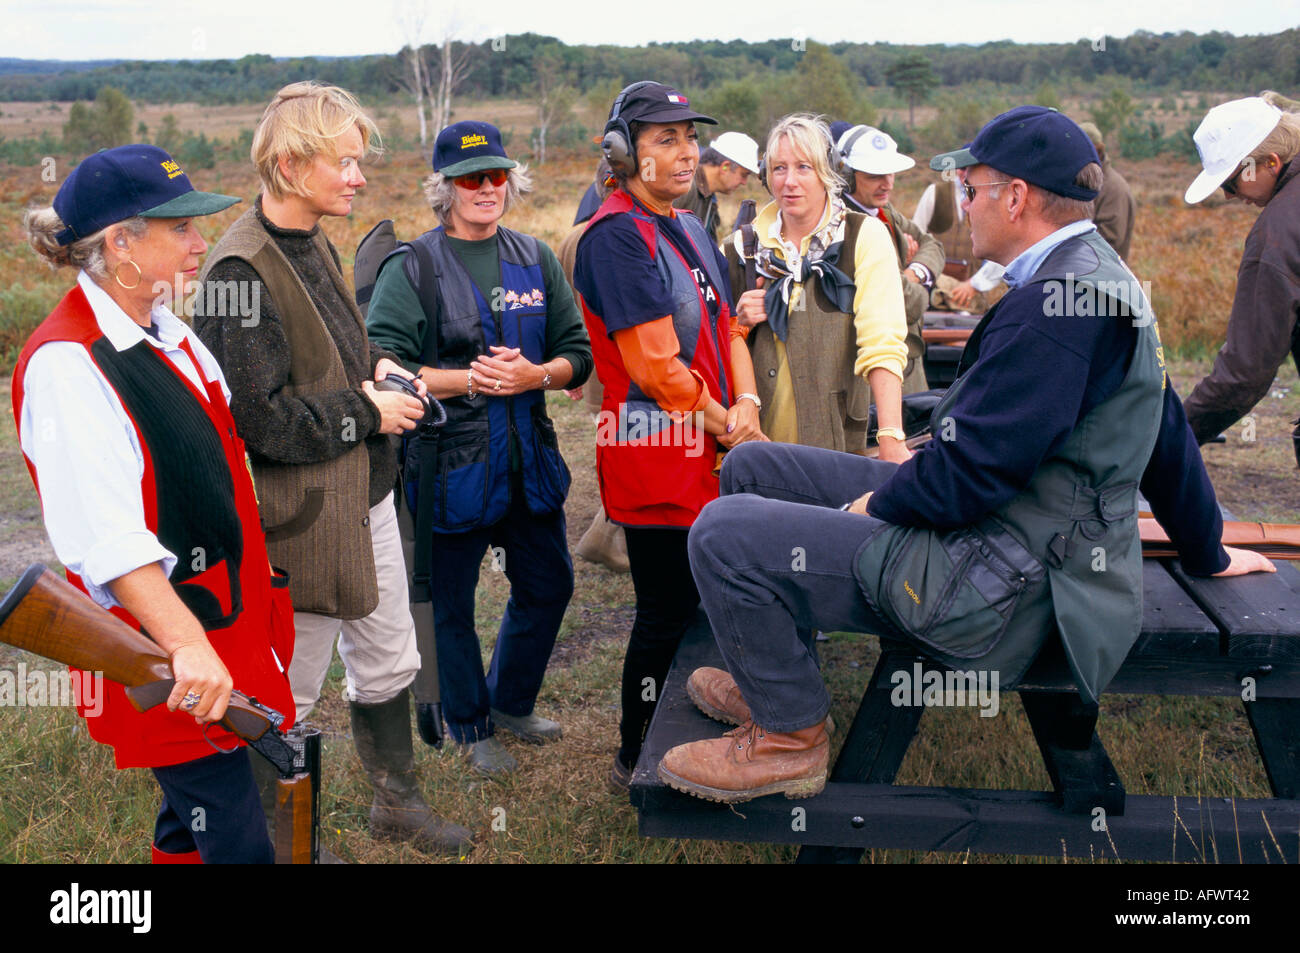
[(441, 191), (1061, 209), (43, 226)]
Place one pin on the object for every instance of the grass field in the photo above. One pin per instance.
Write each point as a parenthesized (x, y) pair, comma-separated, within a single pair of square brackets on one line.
[(63, 802)]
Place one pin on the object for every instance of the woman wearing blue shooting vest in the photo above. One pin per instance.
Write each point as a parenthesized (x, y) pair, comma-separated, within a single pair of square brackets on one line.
[(486, 318), (679, 385)]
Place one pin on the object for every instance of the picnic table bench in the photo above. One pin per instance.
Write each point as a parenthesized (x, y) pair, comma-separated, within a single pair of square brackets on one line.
[(1227, 637)]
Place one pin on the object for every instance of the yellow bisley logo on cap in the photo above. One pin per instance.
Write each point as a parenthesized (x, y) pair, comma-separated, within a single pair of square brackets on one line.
[(469, 142), (171, 168)]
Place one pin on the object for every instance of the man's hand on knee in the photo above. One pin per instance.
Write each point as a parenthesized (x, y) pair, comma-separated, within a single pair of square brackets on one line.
[(859, 505)]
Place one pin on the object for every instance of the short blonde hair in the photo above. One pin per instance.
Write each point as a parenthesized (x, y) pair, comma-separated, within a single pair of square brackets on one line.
[(305, 120), (43, 225), (441, 191), (1284, 140), (810, 137)]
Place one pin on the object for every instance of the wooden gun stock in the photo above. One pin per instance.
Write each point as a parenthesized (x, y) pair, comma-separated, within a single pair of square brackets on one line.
[(1274, 540), (47, 616)]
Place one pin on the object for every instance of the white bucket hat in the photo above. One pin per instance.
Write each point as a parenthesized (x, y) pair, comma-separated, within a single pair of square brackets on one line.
[(869, 150), (1228, 133), (739, 148)]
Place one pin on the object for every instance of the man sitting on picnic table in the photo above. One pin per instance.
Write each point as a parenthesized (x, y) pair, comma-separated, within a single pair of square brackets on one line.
[(1020, 516)]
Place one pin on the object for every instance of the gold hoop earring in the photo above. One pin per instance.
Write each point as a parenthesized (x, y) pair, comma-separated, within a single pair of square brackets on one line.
[(118, 278)]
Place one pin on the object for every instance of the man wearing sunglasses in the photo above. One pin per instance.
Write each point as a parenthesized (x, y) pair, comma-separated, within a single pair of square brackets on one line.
[(988, 538)]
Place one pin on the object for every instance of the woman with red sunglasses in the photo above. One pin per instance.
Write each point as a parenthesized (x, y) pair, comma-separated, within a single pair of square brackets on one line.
[(484, 315)]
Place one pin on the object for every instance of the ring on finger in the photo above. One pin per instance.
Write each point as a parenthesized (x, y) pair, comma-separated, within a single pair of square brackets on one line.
[(498, 387), (190, 700)]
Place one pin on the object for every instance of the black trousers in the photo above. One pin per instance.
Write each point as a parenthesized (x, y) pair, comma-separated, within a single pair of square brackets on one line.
[(211, 805), (666, 604)]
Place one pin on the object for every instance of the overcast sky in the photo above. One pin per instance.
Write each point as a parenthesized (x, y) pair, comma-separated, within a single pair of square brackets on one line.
[(213, 29)]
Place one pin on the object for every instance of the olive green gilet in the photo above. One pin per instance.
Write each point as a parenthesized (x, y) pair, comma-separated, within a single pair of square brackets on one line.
[(1066, 549), (316, 515), (821, 346)]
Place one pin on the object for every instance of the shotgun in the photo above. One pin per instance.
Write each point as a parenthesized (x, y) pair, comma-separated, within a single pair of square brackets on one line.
[(46, 616)]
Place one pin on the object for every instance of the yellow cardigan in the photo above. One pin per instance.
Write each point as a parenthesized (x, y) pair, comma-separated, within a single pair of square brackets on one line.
[(879, 316)]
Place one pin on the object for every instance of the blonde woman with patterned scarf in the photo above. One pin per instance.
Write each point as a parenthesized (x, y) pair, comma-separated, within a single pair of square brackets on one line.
[(828, 317)]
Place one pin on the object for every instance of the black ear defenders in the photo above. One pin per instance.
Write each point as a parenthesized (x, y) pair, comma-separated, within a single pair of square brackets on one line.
[(617, 143), (435, 415)]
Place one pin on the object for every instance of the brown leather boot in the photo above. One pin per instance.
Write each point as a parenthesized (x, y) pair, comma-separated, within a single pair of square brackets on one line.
[(748, 762), (716, 694)]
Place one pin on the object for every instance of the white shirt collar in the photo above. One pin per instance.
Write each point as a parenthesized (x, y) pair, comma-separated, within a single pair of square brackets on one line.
[(118, 327)]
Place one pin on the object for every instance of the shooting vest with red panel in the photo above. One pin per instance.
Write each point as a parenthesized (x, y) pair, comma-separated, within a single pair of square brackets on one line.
[(652, 470), (198, 500)]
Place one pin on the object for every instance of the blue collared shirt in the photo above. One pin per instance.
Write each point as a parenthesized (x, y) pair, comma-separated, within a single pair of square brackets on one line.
[(1024, 265)]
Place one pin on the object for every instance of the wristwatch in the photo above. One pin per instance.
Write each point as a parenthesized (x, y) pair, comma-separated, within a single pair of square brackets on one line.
[(546, 381), (894, 432), (753, 397)]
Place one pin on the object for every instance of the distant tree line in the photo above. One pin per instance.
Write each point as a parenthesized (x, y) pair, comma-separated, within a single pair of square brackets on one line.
[(508, 67)]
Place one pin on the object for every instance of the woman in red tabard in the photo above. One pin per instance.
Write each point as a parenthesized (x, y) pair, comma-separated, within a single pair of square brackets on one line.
[(123, 418)]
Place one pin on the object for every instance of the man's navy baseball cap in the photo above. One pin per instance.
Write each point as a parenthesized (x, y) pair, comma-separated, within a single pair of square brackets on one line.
[(469, 146), (655, 102), (124, 182), (1033, 143)]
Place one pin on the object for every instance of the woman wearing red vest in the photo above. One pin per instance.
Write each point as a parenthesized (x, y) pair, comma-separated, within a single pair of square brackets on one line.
[(123, 418), (679, 385)]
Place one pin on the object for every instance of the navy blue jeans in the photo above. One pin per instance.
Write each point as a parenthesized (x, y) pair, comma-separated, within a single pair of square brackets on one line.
[(773, 559), (533, 553), (211, 805)]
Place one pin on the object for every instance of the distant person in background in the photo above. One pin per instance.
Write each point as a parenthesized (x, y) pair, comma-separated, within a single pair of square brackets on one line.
[(603, 542), (939, 212), (1248, 147), (1115, 208), (874, 159), (725, 165), (596, 193)]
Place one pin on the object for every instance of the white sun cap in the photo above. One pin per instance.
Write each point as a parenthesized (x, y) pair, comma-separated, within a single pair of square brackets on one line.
[(739, 148), (1228, 133), (869, 150)]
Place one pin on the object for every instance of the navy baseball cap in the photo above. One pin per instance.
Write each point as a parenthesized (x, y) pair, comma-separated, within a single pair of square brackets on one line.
[(655, 102), (121, 183), (838, 128), (1034, 143), (469, 146)]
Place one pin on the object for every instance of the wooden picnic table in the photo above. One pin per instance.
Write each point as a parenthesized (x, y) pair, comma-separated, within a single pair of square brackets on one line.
[(1227, 637)]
